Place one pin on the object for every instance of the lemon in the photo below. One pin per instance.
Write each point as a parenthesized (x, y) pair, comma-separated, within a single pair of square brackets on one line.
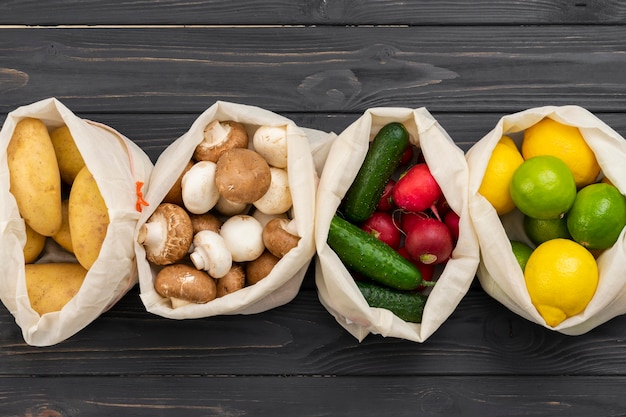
[(503, 162), (542, 230), (549, 137), (561, 277), (598, 216), (522, 252), (543, 187), (507, 140)]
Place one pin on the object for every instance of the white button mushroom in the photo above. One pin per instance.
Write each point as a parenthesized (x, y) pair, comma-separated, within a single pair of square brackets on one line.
[(271, 143), (199, 191), (211, 254), (166, 235), (277, 199), (243, 235), (218, 138)]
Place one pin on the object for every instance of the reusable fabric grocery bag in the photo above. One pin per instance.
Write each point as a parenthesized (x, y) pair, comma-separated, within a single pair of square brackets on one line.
[(118, 166), (283, 283), (337, 289), (499, 273)]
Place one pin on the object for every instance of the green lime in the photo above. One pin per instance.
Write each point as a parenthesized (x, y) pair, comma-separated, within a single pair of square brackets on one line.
[(597, 216), (542, 230), (522, 252), (543, 187)]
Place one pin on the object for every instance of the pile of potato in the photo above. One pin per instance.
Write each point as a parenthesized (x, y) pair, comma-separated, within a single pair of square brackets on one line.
[(226, 221), (59, 200)]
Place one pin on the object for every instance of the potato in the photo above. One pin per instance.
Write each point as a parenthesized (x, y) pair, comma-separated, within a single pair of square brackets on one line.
[(63, 237), (34, 245), (51, 286), (34, 175), (88, 218), (68, 156)]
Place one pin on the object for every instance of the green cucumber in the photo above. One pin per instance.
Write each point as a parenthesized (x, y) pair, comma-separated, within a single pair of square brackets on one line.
[(407, 305), (381, 160), (361, 252)]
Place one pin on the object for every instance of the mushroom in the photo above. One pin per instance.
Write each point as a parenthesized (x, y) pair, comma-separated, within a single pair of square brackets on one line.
[(261, 267), (230, 208), (183, 284), (205, 221), (218, 138), (264, 218), (243, 235), (175, 194), (233, 281), (279, 237), (199, 191), (277, 199), (211, 254), (166, 235), (271, 143), (242, 175)]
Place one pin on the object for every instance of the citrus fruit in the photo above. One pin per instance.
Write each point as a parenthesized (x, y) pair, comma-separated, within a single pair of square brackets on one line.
[(522, 252), (561, 277), (549, 137), (542, 230), (598, 216), (543, 187), (507, 140), (503, 162)]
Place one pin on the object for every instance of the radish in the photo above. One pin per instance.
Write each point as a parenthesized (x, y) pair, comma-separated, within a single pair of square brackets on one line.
[(427, 270), (408, 220), (417, 190), (381, 225), (429, 241), (451, 219), (386, 199), (407, 156)]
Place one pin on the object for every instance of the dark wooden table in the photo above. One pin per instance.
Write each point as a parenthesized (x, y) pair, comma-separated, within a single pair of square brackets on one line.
[(149, 69)]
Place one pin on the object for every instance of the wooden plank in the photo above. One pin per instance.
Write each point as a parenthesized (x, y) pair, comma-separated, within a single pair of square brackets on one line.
[(313, 396), (318, 12), (301, 338), (314, 69)]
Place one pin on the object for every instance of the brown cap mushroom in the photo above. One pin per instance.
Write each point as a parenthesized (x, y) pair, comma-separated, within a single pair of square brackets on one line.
[(242, 175), (205, 221), (218, 138), (175, 194), (184, 284), (167, 235), (233, 281), (278, 238), (261, 267)]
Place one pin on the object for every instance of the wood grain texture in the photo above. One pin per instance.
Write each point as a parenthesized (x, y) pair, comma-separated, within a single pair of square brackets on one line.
[(316, 69), (307, 12)]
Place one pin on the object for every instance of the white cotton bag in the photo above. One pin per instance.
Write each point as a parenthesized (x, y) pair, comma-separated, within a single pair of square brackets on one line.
[(337, 289), (119, 168), (283, 283), (499, 273)]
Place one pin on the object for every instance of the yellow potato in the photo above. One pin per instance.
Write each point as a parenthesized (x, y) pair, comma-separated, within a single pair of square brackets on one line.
[(34, 245), (68, 156), (63, 237), (51, 286), (34, 176), (88, 218)]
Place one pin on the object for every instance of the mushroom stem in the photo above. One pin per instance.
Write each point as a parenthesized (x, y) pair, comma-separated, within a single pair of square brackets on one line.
[(217, 133), (152, 234), (211, 253)]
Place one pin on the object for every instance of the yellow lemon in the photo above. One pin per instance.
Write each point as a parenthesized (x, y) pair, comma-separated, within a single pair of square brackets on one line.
[(502, 164), (507, 140), (549, 137), (561, 277)]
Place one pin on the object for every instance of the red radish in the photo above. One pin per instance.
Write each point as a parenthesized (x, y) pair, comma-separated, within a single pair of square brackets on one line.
[(381, 225), (429, 241), (442, 208), (408, 220), (386, 200), (451, 219), (407, 156), (416, 190), (427, 270)]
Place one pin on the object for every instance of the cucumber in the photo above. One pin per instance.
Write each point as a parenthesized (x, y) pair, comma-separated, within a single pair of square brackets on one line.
[(382, 159), (407, 305), (361, 252)]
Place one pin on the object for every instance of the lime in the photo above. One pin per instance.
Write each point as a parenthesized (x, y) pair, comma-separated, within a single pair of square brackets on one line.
[(542, 230), (504, 160), (598, 216), (543, 187), (549, 137), (522, 252), (561, 277)]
